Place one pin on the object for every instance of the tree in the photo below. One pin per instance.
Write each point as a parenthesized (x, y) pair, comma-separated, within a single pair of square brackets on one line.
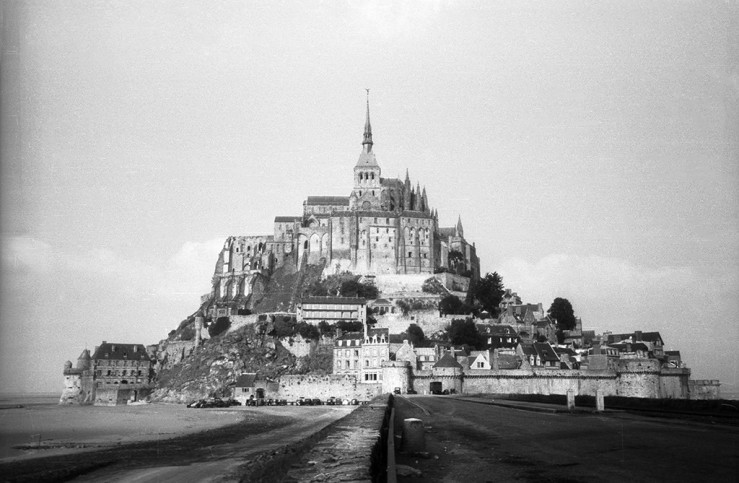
[(415, 334), (464, 332), (350, 326), (561, 311), (488, 292), (455, 257), (325, 328), (308, 331), (452, 305), (404, 307), (354, 288)]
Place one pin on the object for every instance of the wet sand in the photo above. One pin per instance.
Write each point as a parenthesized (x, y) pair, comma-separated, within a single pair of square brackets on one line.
[(48, 429)]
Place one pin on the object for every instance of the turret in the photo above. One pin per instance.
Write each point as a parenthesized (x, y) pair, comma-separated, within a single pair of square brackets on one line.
[(407, 193)]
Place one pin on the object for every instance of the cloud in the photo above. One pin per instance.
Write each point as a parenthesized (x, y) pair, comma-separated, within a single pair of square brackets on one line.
[(693, 312), (186, 273), (25, 252)]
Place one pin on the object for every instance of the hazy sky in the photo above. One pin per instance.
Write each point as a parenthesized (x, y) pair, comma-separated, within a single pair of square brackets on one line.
[(591, 149)]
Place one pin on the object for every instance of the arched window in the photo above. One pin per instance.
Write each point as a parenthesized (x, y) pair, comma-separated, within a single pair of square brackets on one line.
[(305, 245)]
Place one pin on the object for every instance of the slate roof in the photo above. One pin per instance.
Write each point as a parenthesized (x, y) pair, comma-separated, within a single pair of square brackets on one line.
[(447, 360), (508, 361), (288, 219), (334, 300), (645, 336), (351, 336), (382, 302), (246, 380), (546, 352), (328, 200), (497, 329), (121, 352)]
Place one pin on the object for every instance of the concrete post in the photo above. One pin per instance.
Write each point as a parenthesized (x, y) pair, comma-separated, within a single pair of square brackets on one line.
[(414, 439), (599, 402), (570, 399)]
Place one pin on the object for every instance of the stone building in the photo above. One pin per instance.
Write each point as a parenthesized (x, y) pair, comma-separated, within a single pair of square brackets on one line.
[(384, 226), (331, 309), (114, 374)]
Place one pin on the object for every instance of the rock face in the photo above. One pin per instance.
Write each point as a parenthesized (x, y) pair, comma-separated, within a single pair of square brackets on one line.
[(215, 365)]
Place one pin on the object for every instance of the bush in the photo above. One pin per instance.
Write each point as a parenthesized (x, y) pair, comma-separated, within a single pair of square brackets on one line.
[(284, 327), (308, 331), (187, 333), (349, 326), (325, 328), (243, 312), (404, 307), (433, 286), (220, 326)]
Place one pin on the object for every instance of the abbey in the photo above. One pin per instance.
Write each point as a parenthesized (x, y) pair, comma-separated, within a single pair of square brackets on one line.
[(384, 226)]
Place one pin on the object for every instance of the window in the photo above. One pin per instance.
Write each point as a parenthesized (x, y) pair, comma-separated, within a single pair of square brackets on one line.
[(410, 254)]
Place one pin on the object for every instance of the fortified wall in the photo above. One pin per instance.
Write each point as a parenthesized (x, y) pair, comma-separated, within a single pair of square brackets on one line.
[(642, 378)]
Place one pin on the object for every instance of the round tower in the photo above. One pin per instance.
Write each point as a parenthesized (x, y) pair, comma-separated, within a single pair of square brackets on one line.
[(84, 361)]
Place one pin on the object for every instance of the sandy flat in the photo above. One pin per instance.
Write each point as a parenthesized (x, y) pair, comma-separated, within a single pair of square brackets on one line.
[(64, 429)]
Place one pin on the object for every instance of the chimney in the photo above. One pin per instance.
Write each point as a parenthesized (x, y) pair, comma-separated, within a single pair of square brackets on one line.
[(637, 335)]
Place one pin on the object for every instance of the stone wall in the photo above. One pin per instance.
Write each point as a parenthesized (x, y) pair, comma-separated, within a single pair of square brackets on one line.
[(323, 387), (704, 389), (453, 282), (428, 320), (674, 383), (634, 378)]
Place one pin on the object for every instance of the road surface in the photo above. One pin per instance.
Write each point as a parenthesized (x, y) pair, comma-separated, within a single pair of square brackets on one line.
[(479, 442)]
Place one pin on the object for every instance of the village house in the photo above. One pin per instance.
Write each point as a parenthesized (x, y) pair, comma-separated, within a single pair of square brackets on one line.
[(653, 341)]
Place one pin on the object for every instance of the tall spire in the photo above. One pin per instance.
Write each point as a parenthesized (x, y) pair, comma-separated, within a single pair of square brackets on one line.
[(367, 142)]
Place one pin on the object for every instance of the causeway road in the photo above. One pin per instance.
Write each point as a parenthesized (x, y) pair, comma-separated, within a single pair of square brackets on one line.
[(468, 441)]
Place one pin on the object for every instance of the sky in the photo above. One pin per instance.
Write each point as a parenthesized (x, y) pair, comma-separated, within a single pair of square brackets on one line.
[(590, 148)]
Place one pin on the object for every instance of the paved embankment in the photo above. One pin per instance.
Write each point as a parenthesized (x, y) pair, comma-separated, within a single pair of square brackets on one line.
[(352, 449)]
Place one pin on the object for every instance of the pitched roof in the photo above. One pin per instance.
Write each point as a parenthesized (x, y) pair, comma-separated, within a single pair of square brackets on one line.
[(246, 380), (288, 219), (508, 361), (351, 336), (382, 302), (378, 332), (546, 352), (645, 336), (119, 352), (497, 329), (328, 200), (334, 300), (447, 360)]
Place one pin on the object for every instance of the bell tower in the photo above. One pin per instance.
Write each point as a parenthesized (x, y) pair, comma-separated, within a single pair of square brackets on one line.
[(367, 187)]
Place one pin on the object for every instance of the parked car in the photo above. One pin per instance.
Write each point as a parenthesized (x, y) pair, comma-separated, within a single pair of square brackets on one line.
[(355, 402), (332, 401), (411, 391), (345, 402), (397, 390), (317, 402)]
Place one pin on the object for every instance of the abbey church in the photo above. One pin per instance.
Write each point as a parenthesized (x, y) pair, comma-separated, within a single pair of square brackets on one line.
[(384, 226)]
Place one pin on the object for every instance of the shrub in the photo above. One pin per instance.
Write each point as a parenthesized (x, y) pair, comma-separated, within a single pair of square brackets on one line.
[(308, 331), (187, 333)]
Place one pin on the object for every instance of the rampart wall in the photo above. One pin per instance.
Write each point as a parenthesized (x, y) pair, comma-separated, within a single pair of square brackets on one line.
[(323, 387), (632, 378)]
